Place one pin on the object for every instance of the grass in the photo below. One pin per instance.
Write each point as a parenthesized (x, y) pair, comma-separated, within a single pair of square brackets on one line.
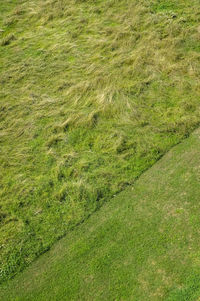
[(92, 94), (142, 245)]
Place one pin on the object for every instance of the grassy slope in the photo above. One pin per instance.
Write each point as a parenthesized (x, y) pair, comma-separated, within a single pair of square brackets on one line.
[(142, 245), (92, 94)]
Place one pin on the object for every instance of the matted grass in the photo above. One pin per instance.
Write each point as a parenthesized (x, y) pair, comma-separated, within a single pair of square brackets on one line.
[(142, 245), (92, 94)]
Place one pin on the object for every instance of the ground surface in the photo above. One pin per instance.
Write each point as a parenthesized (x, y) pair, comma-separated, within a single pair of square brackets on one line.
[(142, 245), (92, 93)]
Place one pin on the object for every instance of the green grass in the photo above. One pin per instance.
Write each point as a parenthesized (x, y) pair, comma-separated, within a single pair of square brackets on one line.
[(92, 93), (142, 245)]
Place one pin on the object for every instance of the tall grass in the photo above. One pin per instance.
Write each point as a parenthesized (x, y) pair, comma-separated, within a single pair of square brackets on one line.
[(92, 94)]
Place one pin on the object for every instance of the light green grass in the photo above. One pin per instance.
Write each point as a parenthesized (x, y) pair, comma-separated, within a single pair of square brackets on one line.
[(92, 93), (142, 245)]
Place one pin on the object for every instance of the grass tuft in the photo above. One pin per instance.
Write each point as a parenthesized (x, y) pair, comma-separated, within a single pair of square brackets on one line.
[(7, 39)]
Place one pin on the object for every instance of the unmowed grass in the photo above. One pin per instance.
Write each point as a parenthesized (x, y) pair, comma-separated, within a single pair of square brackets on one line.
[(92, 94)]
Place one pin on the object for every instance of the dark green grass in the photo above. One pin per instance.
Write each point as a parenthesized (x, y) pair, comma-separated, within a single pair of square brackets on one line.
[(92, 93), (142, 245)]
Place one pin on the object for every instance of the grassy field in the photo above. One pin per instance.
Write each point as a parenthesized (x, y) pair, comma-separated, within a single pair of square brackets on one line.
[(92, 93), (142, 245)]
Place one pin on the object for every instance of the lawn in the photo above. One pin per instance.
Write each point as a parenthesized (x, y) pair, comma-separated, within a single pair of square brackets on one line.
[(92, 94), (141, 245)]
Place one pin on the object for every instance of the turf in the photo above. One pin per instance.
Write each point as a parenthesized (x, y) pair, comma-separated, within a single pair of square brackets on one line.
[(142, 245), (92, 94)]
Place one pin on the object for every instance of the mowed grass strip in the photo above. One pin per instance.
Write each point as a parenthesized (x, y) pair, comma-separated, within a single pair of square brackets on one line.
[(92, 93), (142, 245)]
